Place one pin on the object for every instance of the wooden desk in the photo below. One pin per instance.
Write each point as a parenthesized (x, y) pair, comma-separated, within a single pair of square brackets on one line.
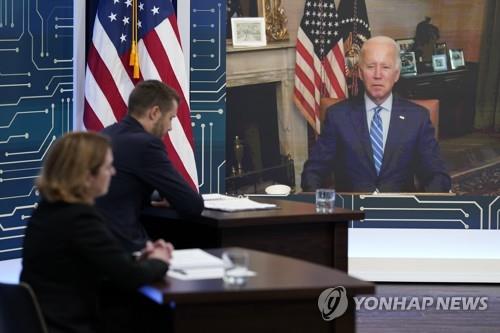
[(294, 230), (283, 297)]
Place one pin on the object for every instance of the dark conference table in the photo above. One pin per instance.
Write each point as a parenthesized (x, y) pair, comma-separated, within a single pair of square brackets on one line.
[(294, 230), (282, 297)]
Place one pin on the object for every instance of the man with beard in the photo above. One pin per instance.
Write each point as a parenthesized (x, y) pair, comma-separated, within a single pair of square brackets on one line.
[(142, 165)]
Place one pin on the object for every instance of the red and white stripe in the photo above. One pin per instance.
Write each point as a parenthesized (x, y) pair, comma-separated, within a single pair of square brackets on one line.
[(315, 78), (108, 83)]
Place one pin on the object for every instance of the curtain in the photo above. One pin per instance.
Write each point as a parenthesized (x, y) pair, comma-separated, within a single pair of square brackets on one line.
[(487, 115)]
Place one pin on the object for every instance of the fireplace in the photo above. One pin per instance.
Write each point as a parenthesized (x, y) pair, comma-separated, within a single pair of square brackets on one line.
[(252, 117), (261, 113), (253, 155)]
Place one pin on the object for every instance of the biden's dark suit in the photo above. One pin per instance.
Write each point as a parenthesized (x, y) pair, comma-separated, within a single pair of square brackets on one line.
[(344, 147)]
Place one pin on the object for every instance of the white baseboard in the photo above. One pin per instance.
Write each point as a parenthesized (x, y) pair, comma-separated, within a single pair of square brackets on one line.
[(425, 270), (425, 255)]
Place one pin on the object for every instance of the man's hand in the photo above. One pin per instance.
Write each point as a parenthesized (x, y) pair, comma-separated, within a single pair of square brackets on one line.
[(162, 203)]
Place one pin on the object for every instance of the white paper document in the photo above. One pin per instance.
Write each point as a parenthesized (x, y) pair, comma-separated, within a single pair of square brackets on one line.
[(203, 273), (196, 264), (196, 274), (233, 204), (194, 258)]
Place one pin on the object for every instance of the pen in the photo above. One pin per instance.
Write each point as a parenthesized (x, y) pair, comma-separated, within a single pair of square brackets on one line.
[(180, 271)]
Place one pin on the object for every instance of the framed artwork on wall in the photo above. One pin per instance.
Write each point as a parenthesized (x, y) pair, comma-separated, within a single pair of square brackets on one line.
[(248, 31), (272, 11)]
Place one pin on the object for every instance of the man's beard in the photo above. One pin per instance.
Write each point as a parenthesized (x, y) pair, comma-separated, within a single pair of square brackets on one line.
[(158, 129)]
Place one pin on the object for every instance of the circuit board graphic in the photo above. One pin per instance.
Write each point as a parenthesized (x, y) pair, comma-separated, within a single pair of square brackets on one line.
[(410, 211), (208, 91), (36, 88)]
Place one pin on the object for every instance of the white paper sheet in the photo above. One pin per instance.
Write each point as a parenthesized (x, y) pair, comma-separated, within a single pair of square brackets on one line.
[(233, 204), (196, 264), (202, 273), (194, 258)]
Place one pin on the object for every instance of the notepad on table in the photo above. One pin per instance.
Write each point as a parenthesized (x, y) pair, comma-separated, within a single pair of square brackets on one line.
[(194, 258), (233, 204), (196, 264)]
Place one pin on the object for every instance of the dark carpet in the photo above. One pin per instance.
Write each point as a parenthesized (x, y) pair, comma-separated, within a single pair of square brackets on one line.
[(485, 181), (473, 161), (432, 320)]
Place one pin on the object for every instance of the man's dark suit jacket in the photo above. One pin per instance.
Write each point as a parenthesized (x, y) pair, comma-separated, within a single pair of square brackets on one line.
[(344, 147), (67, 252), (142, 166)]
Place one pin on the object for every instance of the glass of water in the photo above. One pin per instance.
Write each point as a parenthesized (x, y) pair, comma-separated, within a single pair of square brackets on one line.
[(325, 200), (235, 267)]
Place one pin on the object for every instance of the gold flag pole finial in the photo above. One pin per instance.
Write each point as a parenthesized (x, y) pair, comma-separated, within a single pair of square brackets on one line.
[(134, 52), (133, 49), (136, 60)]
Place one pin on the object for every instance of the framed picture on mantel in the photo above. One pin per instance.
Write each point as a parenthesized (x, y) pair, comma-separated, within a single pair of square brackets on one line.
[(248, 31), (408, 63), (439, 62), (406, 44), (440, 48), (457, 58)]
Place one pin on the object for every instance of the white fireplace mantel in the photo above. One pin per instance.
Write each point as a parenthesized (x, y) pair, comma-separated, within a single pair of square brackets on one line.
[(273, 63)]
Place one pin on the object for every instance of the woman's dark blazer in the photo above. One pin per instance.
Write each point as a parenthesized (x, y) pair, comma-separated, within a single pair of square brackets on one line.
[(67, 253)]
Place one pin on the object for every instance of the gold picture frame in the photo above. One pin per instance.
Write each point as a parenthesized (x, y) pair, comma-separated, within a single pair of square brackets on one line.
[(276, 20), (272, 11)]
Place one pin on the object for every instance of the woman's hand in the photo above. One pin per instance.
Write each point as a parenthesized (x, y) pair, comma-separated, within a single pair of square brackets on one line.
[(159, 250)]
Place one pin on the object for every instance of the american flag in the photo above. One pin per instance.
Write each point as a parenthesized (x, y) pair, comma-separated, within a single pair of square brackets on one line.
[(320, 64), (110, 78), (355, 31)]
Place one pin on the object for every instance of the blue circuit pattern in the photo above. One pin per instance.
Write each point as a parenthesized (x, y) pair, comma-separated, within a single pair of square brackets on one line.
[(36, 87), (420, 211), (208, 91)]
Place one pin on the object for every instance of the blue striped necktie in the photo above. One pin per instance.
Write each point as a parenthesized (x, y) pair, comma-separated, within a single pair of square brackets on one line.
[(377, 138)]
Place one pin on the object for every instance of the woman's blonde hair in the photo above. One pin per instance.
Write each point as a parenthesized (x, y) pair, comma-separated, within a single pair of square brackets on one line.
[(68, 164)]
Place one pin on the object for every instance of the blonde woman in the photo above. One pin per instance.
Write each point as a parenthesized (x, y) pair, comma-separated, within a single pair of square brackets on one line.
[(67, 248)]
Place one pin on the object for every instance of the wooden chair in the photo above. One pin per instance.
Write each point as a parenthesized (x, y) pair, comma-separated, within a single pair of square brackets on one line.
[(432, 105)]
